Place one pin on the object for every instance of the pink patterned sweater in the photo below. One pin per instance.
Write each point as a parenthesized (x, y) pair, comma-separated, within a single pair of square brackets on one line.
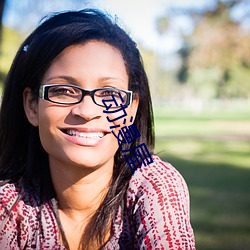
[(156, 215)]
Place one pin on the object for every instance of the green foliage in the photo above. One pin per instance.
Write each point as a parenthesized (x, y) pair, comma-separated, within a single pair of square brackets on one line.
[(160, 80), (220, 42), (11, 41), (162, 24), (218, 47)]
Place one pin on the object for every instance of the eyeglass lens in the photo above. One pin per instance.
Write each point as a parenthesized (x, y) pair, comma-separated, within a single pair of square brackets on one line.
[(70, 94)]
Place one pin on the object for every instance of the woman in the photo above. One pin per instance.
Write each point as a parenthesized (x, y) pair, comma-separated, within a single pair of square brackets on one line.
[(66, 178)]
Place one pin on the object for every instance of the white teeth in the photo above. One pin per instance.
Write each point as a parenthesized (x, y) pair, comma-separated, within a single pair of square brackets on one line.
[(85, 135)]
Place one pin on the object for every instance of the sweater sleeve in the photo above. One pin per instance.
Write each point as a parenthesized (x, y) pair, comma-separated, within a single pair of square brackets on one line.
[(11, 219), (24, 224), (158, 199)]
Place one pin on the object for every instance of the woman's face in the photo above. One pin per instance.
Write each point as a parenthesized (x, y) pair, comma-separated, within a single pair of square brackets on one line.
[(80, 134)]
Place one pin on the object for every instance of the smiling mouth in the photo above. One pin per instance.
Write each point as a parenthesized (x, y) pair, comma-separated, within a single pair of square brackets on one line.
[(91, 135)]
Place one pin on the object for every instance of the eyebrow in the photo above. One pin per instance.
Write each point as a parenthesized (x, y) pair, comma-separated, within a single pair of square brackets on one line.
[(67, 78), (110, 78), (74, 81)]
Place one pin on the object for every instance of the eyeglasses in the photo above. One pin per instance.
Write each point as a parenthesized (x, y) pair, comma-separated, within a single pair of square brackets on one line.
[(69, 94)]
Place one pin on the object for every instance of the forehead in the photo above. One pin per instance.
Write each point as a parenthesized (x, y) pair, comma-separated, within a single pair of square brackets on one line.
[(92, 59)]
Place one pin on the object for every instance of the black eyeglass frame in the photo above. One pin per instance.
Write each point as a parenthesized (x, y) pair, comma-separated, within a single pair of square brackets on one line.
[(44, 94)]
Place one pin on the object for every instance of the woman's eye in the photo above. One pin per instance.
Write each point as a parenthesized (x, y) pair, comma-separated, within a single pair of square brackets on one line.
[(62, 91), (109, 93)]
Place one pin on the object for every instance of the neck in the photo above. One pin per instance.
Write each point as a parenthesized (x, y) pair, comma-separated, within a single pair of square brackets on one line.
[(80, 191)]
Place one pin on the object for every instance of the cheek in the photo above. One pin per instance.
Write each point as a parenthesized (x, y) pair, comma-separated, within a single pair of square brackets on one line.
[(122, 117), (125, 121), (48, 120), (46, 133)]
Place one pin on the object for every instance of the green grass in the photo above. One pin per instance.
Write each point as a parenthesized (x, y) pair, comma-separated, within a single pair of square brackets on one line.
[(212, 152)]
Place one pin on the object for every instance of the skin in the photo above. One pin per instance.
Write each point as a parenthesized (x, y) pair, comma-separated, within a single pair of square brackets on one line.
[(80, 167)]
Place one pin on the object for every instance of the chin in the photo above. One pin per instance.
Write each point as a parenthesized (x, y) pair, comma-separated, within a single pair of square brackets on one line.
[(93, 162)]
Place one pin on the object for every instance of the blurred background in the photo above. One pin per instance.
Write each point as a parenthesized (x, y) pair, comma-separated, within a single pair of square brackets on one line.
[(197, 56)]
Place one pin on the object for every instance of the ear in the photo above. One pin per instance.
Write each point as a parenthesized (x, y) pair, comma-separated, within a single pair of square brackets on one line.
[(134, 105), (30, 104)]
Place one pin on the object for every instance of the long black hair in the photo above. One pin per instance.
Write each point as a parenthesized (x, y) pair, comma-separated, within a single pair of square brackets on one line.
[(22, 157)]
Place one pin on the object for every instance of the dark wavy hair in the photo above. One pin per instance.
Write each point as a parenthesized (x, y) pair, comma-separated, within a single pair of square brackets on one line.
[(22, 157)]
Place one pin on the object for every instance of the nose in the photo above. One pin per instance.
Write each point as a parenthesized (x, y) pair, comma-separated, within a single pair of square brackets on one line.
[(87, 109)]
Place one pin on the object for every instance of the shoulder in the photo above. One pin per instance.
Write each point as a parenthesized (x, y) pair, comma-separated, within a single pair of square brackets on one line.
[(15, 198), (157, 208), (21, 213), (9, 193), (159, 177), (158, 186)]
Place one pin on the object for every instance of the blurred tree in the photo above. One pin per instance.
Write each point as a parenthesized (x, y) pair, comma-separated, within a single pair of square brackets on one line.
[(162, 24), (219, 42), (24, 16), (2, 4), (159, 79), (184, 53)]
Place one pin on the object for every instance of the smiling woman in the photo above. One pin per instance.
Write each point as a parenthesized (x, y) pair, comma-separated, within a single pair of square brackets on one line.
[(65, 183)]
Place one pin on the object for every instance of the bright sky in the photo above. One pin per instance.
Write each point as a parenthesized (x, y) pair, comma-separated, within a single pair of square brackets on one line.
[(137, 16)]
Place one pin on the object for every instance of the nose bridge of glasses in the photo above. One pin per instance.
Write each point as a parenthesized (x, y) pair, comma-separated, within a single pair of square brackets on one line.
[(87, 92)]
